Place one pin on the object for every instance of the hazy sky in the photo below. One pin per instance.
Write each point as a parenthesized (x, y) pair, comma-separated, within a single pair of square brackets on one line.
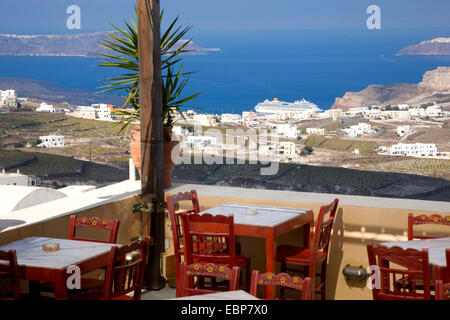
[(49, 16)]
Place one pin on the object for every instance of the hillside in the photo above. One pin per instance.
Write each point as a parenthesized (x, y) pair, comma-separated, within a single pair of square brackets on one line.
[(435, 86), (81, 44), (435, 47)]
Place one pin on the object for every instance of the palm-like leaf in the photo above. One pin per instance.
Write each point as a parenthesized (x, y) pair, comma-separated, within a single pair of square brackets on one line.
[(124, 54)]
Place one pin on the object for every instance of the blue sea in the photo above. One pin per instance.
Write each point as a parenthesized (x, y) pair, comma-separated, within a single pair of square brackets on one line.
[(318, 65)]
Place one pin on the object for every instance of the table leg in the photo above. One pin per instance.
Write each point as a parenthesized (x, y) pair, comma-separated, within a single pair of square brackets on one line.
[(307, 231), (61, 292), (271, 255)]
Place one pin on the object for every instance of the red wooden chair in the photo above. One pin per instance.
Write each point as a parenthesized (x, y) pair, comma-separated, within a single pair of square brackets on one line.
[(187, 272), (443, 289), (111, 226), (9, 276), (400, 284), (435, 219), (210, 239), (282, 280), (175, 221), (315, 253), (121, 277)]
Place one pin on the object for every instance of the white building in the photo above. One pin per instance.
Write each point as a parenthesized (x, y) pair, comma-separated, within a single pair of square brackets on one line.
[(396, 114), (356, 111), (316, 131), (288, 131), (102, 111), (231, 118), (402, 130), (403, 106), (51, 141), (413, 149), (180, 132), (431, 111), (202, 141), (44, 107), (16, 179), (99, 111), (434, 111), (333, 113), (8, 98), (359, 129), (281, 149), (207, 120)]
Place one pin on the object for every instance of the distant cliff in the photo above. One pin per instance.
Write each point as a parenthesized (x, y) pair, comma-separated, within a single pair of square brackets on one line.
[(435, 86), (83, 44), (50, 92), (435, 47)]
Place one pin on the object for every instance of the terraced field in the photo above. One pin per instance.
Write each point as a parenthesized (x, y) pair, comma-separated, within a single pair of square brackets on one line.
[(12, 159), (426, 167), (342, 144)]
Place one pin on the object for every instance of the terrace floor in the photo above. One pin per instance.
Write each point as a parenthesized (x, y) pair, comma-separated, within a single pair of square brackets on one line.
[(165, 293)]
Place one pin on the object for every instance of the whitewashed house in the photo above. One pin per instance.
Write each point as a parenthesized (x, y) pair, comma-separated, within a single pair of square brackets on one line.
[(413, 149), (51, 142), (315, 131), (231, 118), (207, 120), (44, 107), (288, 131), (402, 130), (358, 130), (8, 98)]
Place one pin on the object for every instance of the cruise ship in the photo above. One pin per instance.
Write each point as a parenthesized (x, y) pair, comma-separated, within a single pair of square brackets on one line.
[(276, 106)]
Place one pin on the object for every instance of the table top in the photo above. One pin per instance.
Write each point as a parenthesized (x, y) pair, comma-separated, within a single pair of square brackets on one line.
[(227, 295), (266, 216), (30, 253), (436, 248)]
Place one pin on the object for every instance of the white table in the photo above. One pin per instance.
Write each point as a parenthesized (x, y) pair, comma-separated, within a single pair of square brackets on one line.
[(269, 223), (226, 295), (266, 215), (436, 252), (35, 264)]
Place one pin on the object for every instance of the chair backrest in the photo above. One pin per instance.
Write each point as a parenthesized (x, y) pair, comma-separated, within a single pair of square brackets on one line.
[(322, 232), (9, 276), (208, 238), (121, 277), (442, 290), (186, 285), (175, 220), (435, 219), (283, 280), (94, 222), (394, 283)]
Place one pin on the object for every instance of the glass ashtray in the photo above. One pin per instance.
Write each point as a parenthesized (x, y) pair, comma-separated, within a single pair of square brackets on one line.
[(50, 246)]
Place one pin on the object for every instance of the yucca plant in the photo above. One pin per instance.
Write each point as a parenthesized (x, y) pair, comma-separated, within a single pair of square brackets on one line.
[(123, 47)]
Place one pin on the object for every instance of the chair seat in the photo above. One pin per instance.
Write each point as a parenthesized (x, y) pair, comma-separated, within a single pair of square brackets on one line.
[(297, 255)]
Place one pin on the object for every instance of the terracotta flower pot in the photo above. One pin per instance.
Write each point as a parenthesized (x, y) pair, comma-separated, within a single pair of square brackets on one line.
[(169, 145)]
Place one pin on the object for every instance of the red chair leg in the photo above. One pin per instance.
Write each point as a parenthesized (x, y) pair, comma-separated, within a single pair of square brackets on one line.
[(323, 280)]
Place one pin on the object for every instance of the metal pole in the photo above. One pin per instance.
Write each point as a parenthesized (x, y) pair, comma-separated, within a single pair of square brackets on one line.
[(150, 101)]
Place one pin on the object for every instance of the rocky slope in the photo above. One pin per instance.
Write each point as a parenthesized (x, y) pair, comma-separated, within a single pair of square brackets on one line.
[(438, 46), (82, 44), (435, 86)]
